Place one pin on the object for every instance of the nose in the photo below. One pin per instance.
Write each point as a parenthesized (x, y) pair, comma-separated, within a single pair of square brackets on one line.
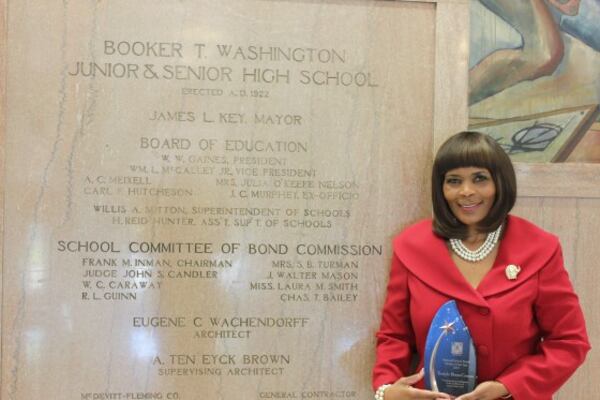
[(466, 189)]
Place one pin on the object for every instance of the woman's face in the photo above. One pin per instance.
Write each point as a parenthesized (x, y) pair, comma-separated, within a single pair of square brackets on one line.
[(470, 193)]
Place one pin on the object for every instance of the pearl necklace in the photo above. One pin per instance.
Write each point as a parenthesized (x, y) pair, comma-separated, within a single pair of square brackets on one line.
[(479, 254)]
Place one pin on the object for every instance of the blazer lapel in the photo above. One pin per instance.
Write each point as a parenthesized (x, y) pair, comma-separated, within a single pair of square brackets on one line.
[(426, 256), (524, 245)]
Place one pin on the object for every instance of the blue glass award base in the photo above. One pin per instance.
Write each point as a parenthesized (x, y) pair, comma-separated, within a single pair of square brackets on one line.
[(450, 361)]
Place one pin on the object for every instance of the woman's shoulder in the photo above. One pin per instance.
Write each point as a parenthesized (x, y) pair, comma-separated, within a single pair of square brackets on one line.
[(415, 234), (518, 228), (528, 244), (418, 227), (518, 231)]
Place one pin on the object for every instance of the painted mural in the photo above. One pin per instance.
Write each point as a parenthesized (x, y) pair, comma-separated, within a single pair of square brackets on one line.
[(534, 79)]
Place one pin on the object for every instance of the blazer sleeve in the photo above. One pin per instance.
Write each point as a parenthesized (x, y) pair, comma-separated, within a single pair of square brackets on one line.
[(395, 338), (564, 342)]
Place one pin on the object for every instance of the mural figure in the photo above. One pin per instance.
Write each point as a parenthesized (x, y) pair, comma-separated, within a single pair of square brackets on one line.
[(555, 35)]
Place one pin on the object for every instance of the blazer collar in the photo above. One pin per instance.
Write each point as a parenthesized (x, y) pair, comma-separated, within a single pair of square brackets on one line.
[(427, 257), (524, 245)]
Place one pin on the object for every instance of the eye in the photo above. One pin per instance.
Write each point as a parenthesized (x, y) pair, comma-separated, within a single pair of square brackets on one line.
[(452, 181), (480, 178)]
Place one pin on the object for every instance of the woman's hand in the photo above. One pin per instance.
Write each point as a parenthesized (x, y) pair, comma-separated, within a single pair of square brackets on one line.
[(489, 390), (403, 390)]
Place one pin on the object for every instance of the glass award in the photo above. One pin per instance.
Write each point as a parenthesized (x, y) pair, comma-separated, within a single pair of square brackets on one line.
[(450, 360)]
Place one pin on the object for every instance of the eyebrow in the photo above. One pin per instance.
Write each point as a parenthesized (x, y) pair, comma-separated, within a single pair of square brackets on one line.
[(480, 172)]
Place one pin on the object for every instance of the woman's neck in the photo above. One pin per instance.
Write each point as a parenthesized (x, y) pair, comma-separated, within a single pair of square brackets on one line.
[(474, 237)]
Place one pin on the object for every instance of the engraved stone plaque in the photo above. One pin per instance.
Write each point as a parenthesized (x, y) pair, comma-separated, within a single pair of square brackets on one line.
[(200, 195)]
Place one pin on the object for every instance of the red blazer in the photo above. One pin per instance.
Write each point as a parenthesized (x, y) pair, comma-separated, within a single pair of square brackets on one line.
[(507, 318)]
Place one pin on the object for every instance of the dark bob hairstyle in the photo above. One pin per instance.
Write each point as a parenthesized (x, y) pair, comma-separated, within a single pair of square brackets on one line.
[(472, 149)]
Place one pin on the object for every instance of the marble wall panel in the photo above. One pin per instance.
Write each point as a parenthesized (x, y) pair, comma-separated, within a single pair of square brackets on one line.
[(2, 127), (200, 194)]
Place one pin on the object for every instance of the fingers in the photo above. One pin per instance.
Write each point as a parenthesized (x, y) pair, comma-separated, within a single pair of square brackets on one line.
[(400, 391), (488, 390), (403, 388), (474, 395), (428, 394), (412, 379), (420, 394)]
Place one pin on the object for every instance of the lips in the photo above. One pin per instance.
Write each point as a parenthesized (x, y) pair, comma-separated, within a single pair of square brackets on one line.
[(470, 207)]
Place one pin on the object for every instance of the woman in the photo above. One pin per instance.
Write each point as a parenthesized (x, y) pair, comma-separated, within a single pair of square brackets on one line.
[(505, 274)]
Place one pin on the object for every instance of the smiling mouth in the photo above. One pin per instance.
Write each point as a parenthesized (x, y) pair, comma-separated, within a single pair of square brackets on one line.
[(469, 207)]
